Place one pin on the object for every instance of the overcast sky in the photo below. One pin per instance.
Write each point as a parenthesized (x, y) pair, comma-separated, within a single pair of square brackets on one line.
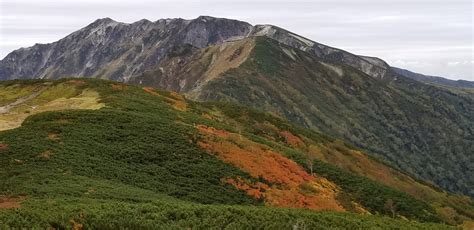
[(427, 36)]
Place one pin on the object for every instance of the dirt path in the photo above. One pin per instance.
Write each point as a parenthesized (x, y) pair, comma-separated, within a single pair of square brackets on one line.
[(7, 108)]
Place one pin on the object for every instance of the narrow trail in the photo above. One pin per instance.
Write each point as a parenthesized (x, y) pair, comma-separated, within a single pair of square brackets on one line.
[(19, 101)]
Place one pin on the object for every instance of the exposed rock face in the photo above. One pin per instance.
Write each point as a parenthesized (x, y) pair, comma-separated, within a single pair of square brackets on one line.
[(371, 66), (119, 51), (114, 50)]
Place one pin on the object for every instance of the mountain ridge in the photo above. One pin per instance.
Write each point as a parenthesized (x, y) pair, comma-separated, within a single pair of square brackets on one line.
[(434, 79), (200, 34)]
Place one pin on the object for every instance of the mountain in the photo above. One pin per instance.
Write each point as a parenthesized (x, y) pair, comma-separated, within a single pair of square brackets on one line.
[(422, 129), (118, 51), (114, 50), (100, 154), (433, 79)]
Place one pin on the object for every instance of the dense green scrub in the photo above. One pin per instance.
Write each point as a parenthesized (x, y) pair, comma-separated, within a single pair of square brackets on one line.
[(135, 163), (424, 130), (137, 140), (165, 214)]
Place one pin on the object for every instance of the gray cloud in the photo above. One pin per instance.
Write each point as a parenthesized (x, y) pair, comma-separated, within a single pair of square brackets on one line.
[(427, 36)]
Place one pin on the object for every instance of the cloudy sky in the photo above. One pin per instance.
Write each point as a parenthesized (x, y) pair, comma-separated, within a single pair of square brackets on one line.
[(428, 36)]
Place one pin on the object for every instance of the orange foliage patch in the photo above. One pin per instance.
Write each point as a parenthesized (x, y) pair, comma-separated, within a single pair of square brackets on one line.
[(175, 100), (11, 202), (291, 139), (207, 116), (176, 96), (289, 184), (76, 225), (358, 162), (212, 131), (151, 91), (3, 146), (256, 190), (76, 82)]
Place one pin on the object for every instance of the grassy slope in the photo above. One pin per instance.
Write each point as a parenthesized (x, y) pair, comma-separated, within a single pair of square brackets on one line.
[(346, 166), (423, 130), (136, 157)]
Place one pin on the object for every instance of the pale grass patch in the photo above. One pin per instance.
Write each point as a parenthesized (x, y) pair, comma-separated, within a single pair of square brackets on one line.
[(88, 99)]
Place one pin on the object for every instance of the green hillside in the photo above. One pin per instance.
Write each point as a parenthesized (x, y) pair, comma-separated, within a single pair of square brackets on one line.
[(424, 130), (98, 154)]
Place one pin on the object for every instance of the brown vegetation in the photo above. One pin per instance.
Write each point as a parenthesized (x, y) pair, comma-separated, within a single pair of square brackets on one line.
[(3, 146), (7, 202), (118, 86), (291, 139), (46, 154)]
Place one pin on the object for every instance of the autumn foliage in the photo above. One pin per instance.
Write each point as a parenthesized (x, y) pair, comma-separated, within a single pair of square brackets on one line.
[(283, 183), (3, 146), (177, 101), (291, 139)]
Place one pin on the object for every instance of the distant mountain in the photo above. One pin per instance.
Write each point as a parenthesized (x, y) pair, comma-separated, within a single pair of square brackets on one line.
[(97, 154), (424, 130), (433, 79)]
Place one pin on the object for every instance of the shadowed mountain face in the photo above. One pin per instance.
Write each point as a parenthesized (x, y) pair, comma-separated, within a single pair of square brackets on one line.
[(114, 50), (422, 129)]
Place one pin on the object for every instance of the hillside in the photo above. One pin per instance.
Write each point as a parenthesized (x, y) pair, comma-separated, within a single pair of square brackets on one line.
[(422, 129), (160, 158)]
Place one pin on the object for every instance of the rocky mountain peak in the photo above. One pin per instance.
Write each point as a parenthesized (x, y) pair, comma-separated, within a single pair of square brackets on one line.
[(117, 50), (103, 21)]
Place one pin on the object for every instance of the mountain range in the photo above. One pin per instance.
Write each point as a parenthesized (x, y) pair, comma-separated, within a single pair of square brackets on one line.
[(415, 132)]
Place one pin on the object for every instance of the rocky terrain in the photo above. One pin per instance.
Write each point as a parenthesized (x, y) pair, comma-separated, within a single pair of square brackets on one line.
[(114, 50)]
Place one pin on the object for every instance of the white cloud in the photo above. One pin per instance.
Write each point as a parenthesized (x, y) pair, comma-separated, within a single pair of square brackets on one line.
[(425, 34)]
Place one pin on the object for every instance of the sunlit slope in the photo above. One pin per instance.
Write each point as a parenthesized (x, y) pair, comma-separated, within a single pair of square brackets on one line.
[(18, 101)]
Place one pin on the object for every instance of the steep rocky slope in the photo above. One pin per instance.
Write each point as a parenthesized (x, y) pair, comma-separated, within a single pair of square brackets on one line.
[(117, 51)]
